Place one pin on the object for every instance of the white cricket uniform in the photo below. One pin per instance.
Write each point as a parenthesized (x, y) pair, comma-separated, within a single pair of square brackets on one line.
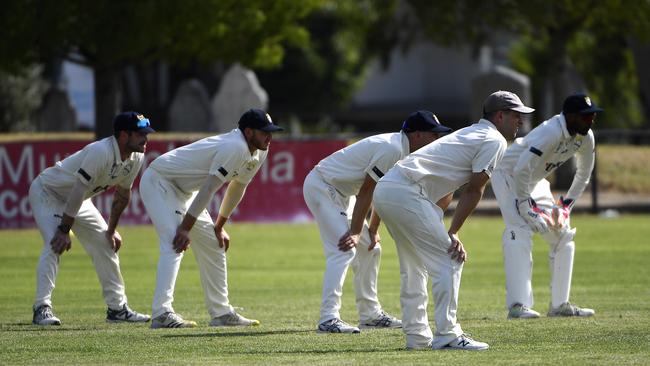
[(98, 166), (521, 174), (328, 190), (405, 200), (168, 187)]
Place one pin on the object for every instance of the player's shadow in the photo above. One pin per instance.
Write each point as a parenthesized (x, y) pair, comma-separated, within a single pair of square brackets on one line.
[(239, 334)]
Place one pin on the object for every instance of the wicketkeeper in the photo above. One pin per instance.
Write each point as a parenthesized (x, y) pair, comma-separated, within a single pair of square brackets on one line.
[(528, 206)]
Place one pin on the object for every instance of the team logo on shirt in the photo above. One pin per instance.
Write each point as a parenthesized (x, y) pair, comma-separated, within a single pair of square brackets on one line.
[(251, 165), (127, 169)]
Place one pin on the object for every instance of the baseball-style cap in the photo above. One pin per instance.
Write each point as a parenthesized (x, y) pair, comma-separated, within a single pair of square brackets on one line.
[(505, 100), (580, 104), (424, 121), (132, 121), (259, 120)]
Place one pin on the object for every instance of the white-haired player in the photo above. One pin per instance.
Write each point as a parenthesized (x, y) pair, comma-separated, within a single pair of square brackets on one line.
[(60, 199), (528, 206), (176, 189), (328, 189)]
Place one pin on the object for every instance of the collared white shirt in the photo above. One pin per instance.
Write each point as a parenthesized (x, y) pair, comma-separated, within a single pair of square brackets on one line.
[(535, 156), (448, 163), (225, 156), (98, 166), (346, 169)]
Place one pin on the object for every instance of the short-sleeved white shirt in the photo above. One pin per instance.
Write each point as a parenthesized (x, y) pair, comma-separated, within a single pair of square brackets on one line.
[(535, 156), (346, 169), (448, 163), (98, 166), (225, 156)]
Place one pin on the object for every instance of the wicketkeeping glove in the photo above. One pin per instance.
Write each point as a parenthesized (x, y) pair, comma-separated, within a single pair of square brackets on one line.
[(537, 218), (561, 212)]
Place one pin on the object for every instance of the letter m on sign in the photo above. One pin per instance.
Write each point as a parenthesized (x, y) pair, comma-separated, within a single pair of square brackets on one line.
[(25, 162)]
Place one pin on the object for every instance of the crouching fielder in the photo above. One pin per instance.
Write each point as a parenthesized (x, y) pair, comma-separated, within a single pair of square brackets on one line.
[(404, 199), (528, 206)]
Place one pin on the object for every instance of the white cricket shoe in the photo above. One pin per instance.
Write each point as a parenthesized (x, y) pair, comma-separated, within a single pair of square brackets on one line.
[(337, 326), (464, 342), (568, 309), (382, 321), (233, 319), (125, 314), (519, 311), (171, 320), (43, 315)]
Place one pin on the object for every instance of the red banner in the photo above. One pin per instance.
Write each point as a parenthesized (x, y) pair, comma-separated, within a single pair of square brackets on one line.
[(275, 194)]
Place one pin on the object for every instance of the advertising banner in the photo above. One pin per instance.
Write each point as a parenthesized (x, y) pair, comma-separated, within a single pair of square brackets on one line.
[(274, 195)]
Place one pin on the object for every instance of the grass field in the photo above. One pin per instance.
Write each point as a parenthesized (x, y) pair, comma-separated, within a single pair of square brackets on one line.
[(275, 273)]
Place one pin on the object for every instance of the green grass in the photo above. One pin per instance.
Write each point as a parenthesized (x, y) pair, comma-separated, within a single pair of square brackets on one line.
[(275, 273), (623, 168)]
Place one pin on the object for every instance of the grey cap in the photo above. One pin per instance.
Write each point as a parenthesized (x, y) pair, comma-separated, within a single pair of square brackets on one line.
[(505, 100)]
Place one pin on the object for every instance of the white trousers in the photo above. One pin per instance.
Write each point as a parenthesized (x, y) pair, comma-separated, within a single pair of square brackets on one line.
[(518, 245), (166, 206), (416, 224), (331, 212), (90, 228)]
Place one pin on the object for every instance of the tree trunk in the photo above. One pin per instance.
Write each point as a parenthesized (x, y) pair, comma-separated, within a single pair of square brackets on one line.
[(108, 99)]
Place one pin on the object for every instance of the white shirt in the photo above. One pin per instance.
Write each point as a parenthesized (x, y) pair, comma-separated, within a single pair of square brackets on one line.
[(225, 156), (448, 163), (98, 166), (346, 169), (535, 156)]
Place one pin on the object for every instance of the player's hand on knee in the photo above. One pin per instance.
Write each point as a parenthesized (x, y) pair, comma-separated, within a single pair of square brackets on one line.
[(181, 240), (223, 238), (114, 240), (537, 218), (348, 241), (60, 242), (456, 249)]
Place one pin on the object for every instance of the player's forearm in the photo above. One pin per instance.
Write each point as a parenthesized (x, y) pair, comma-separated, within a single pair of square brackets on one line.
[(121, 199), (73, 203), (220, 222), (188, 222), (466, 205), (375, 220), (360, 211)]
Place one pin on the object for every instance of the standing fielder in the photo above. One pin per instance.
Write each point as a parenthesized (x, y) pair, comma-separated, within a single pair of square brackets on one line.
[(526, 203), (176, 189), (353, 171), (60, 199), (404, 199)]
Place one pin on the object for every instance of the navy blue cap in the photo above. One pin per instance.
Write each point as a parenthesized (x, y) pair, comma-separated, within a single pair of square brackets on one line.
[(580, 104), (259, 120), (132, 121), (424, 121)]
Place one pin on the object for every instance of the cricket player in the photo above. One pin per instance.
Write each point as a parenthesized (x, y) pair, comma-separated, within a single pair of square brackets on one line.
[(328, 189), (60, 199), (176, 189), (404, 199), (527, 204)]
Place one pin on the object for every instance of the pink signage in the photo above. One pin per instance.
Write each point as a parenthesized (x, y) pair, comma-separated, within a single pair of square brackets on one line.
[(275, 194)]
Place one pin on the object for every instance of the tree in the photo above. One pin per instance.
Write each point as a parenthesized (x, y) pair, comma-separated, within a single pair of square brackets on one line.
[(314, 82), (107, 35), (592, 36)]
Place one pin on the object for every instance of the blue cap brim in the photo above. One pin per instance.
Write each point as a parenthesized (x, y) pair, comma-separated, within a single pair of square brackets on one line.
[(146, 130), (271, 128), (591, 110)]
